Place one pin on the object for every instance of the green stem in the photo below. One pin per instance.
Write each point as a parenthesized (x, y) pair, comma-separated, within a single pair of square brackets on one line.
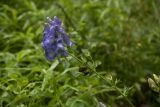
[(66, 15), (15, 68), (80, 61)]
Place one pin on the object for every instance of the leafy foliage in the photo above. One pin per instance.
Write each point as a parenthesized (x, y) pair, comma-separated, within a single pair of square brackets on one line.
[(119, 39)]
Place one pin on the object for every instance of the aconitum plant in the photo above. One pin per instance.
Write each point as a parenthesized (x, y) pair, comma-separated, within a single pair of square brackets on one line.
[(55, 39), (55, 42)]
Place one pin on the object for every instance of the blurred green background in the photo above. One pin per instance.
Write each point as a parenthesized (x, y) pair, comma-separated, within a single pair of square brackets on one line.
[(121, 36)]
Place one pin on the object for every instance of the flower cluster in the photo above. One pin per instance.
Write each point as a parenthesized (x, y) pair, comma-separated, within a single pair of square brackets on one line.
[(54, 39)]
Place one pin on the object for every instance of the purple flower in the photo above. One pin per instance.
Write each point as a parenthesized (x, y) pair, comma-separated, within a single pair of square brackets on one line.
[(54, 39)]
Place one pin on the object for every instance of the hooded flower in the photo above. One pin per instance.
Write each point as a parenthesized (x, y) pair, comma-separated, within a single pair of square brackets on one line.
[(54, 39)]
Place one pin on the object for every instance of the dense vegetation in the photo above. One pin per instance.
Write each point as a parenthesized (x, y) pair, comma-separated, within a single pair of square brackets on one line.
[(119, 39)]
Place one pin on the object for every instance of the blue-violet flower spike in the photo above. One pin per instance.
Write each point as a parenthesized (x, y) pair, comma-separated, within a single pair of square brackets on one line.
[(55, 39)]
